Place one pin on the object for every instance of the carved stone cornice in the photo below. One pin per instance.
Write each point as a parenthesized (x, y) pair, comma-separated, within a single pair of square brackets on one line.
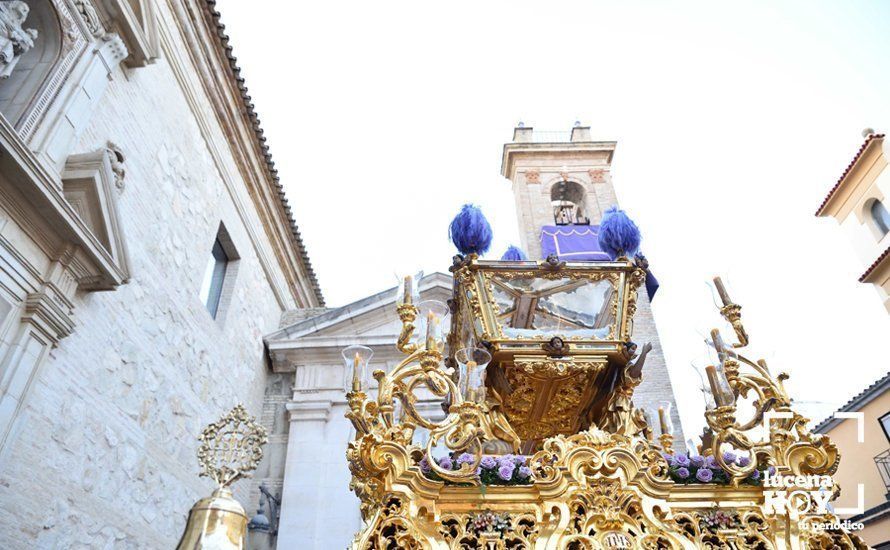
[(135, 20), (48, 311), (309, 411)]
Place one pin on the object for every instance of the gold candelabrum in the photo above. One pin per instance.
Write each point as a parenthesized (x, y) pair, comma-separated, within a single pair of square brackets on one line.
[(539, 358), (230, 449)]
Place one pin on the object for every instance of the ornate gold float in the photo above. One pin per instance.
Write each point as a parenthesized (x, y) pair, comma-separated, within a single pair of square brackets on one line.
[(553, 342)]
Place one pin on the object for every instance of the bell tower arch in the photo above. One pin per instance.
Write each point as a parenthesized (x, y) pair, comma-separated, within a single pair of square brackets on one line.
[(559, 178)]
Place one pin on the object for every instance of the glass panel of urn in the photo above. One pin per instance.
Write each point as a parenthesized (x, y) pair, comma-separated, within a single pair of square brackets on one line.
[(534, 307)]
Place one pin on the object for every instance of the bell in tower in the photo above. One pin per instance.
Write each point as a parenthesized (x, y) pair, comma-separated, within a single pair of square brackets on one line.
[(567, 198)]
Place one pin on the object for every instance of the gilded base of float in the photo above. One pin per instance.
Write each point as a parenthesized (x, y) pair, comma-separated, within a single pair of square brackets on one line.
[(592, 491)]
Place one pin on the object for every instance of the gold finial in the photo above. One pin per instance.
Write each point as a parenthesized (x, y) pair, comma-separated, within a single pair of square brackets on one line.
[(231, 447)]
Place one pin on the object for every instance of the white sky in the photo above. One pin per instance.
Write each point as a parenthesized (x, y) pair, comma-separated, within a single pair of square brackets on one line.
[(732, 124)]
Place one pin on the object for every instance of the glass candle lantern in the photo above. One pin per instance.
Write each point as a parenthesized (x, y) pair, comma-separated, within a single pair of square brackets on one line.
[(407, 292), (356, 359), (431, 324), (704, 387), (471, 382)]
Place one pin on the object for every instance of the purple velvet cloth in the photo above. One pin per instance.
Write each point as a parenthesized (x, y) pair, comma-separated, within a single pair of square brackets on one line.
[(580, 243), (572, 243)]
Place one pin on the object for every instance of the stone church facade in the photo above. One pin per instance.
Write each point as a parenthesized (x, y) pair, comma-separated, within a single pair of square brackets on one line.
[(145, 249)]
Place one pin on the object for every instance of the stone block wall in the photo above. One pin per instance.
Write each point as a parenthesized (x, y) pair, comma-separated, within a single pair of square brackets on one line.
[(104, 452)]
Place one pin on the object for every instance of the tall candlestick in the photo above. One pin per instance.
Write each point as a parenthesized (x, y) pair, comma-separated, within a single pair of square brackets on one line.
[(722, 395), (469, 389), (662, 419), (409, 291), (721, 290), (717, 340), (356, 373)]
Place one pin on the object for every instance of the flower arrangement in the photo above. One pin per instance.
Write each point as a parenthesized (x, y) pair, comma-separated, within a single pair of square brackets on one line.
[(688, 469), (716, 520), (500, 470), (488, 522)]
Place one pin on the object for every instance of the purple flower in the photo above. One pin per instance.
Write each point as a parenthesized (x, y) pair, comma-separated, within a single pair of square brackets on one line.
[(680, 460), (682, 473), (465, 458), (424, 465), (505, 459), (668, 457), (704, 475), (489, 463), (445, 462), (520, 459), (710, 462), (729, 457), (698, 461), (744, 461), (755, 475), (505, 472), (772, 471), (525, 472)]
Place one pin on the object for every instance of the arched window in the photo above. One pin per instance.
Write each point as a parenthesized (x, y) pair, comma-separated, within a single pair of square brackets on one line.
[(567, 199), (33, 37), (880, 217)]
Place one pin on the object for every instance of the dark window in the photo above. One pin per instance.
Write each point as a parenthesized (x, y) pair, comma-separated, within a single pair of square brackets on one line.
[(881, 217), (885, 423), (214, 277)]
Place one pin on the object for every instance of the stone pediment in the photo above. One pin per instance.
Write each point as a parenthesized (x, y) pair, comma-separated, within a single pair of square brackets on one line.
[(370, 321), (90, 182)]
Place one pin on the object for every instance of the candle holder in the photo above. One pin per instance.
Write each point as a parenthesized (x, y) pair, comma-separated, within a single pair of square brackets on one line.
[(730, 311), (667, 426), (407, 291), (356, 359), (431, 321), (472, 363)]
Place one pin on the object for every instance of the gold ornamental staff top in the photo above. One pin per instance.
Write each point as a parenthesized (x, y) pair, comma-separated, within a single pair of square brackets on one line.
[(231, 448)]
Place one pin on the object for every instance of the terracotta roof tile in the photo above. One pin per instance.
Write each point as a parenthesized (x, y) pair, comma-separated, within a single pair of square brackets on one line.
[(261, 141), (874, 265), (869, 139)]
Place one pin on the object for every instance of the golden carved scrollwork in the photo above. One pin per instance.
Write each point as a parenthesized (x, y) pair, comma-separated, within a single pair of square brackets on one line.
[(715, 528), (487, 530), (789, 446)]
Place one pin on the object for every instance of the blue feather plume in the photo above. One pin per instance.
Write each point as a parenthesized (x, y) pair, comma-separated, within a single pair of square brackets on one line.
[(470, 231), (619, 235), (514, 254)]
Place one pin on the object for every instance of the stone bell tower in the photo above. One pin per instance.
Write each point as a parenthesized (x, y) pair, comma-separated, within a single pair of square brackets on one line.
[(553, 167), (562, 183)]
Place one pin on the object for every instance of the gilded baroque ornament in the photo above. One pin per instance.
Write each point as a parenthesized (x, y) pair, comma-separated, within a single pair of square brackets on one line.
[(230, 449), (593, 476)]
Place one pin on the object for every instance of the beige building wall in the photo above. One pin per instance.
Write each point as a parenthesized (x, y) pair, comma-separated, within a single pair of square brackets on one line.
[(865, 181), (858, 465)]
